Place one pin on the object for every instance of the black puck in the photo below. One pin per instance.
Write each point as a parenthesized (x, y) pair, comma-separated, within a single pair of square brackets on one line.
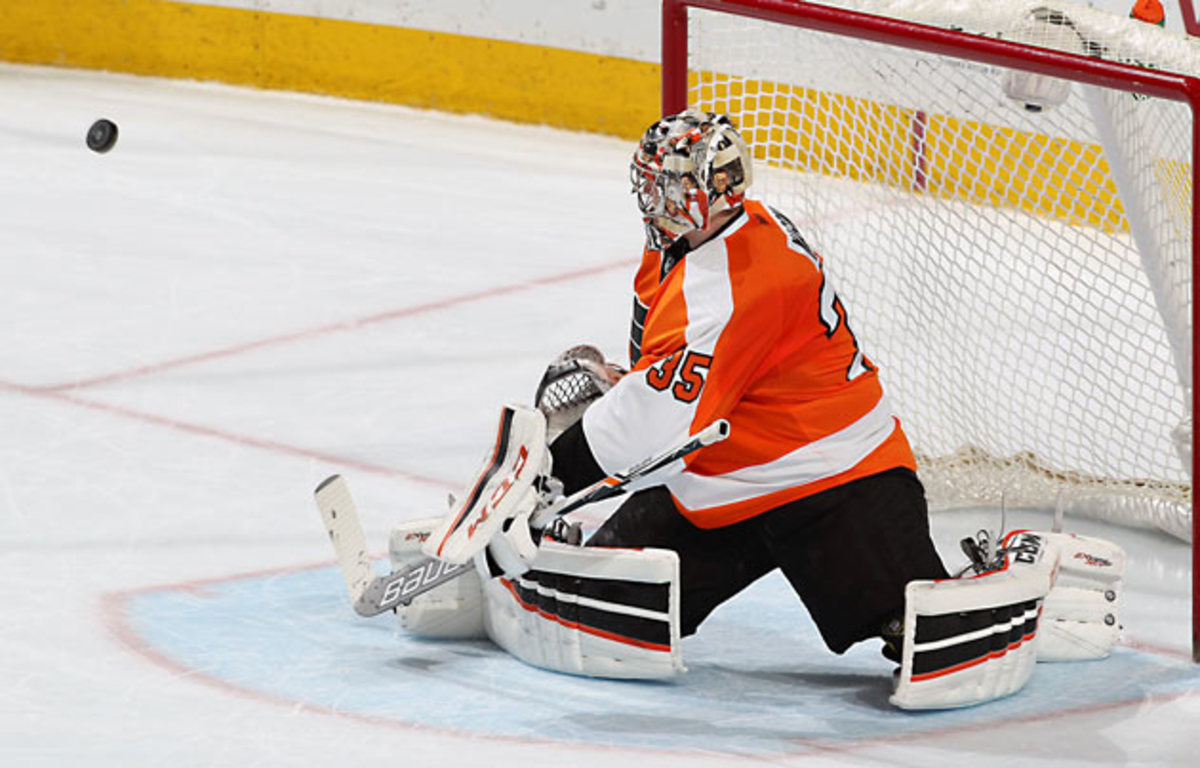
[(102, 136)]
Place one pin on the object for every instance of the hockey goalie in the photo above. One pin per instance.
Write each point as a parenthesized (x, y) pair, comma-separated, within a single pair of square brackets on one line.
[(749, 433)]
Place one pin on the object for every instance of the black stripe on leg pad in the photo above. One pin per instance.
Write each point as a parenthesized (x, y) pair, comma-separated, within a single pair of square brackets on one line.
[(931, 629), (996, 639), (560, 594)]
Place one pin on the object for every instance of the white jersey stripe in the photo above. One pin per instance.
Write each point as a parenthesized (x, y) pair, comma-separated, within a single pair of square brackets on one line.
[(828, 456), (634, 420), (706, 290)]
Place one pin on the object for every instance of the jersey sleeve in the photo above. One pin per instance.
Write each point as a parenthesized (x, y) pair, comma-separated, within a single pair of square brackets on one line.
[(572, 460)]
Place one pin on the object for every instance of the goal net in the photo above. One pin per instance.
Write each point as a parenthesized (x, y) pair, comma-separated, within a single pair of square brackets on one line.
[(1011, 228), (1003, 191)]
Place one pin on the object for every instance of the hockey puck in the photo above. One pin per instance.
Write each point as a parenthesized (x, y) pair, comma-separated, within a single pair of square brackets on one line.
[(102, 136)]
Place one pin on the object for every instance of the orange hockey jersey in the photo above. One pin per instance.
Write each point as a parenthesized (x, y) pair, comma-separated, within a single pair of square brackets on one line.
[(746, 327)]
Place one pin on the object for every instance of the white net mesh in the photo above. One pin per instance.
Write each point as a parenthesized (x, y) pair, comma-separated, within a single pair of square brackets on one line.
[(1022, 278)]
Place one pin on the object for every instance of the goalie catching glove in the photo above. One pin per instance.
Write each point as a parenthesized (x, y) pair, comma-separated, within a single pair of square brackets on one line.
[(572, 382)]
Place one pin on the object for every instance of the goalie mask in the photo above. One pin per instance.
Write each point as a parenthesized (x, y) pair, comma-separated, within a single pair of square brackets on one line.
[(687, 168)]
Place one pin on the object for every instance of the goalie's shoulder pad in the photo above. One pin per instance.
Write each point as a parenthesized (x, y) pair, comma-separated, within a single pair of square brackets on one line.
[(503, 487), (971, 640)]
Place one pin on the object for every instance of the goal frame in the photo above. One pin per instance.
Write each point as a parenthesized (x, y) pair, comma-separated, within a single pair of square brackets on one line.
[(961, 45), (1187, 13)]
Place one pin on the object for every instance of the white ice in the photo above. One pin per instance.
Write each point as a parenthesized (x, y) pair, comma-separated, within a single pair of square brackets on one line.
[(253, 291)]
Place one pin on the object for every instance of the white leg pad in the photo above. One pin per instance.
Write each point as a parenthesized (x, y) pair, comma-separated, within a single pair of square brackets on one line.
[(453, 610), (972, 640), (1081, 615), (597, 612)]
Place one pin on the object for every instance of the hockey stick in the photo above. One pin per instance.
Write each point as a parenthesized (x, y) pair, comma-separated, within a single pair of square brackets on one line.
[(614, 485), (372, 595)]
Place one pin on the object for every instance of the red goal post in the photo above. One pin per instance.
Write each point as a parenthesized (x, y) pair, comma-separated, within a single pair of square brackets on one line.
[(982, 51)]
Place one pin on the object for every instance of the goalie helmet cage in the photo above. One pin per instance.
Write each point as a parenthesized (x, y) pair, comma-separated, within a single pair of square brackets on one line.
[(1034, 320)]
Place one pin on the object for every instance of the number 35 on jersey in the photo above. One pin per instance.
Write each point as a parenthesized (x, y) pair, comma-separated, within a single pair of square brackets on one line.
[(683, 374)]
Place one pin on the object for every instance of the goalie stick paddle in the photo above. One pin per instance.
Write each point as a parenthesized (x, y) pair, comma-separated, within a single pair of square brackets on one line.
[(346, 534), (372, 595)]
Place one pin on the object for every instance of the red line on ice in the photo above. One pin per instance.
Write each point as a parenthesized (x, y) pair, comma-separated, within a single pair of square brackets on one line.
[(220, 434), (339, 327), (64, 392)]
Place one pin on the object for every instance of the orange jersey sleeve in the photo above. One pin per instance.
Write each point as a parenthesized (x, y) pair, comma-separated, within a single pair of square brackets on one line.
[(747, 327)]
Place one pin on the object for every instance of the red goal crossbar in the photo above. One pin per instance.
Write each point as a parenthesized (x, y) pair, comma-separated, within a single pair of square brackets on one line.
[(1078, 68)]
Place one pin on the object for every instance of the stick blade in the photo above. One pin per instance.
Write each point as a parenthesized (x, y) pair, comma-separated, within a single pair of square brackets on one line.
[(340, 517), (400, 587)]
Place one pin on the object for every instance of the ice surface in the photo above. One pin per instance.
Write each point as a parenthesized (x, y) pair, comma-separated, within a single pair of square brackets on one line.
[(253, 291)]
